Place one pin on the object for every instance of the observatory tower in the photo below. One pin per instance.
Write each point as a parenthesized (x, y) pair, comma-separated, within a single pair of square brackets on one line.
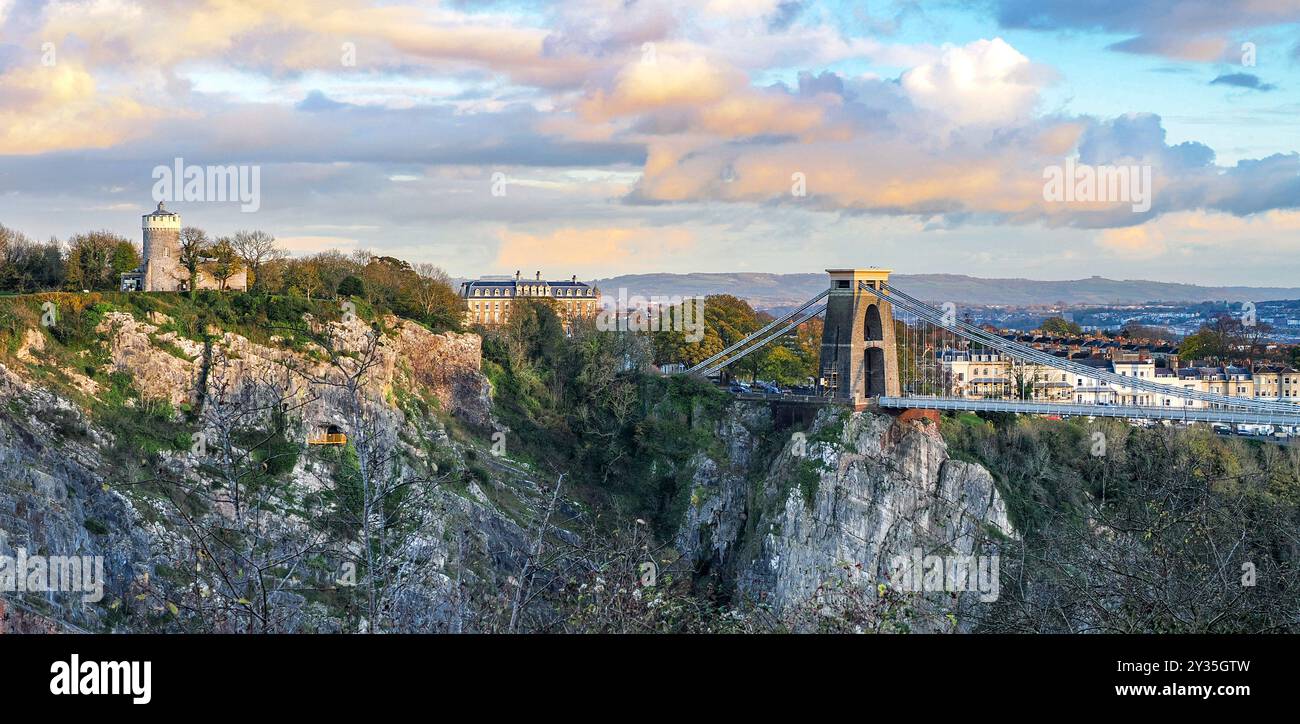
[(162, 250)]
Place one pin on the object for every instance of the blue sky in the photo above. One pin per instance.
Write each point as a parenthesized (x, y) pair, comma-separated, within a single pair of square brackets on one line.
[(713, 135)]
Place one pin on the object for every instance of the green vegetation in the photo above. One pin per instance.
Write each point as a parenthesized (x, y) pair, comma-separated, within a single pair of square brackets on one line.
[(1061, 327), (728, 320), (1160, 521), (808, 478), (583, 405), (95, 261)]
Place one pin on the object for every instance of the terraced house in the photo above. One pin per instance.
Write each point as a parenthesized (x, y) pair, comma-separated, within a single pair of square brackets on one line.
[(488, 299), (995, 376)]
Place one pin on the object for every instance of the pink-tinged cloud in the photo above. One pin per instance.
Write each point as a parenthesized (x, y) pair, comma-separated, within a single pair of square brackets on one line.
[(586, 250), (59, 107)]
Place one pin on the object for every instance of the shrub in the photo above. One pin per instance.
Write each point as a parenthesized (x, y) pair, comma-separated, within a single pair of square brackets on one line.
[(352, 286)]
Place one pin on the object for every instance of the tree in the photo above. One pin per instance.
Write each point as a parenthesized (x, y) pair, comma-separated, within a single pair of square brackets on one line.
[(194, 247), (352, 286), (385, 278), (1060, 327), (1153, 536), (783, 366), (1221, 339), (92, 259), (726, 320), (333, 267), (1134, 330), (255, 248), (126, 258), (429, 293), (27, 266), (394, 506), (225, 262), (1023, 378), (301, 276)]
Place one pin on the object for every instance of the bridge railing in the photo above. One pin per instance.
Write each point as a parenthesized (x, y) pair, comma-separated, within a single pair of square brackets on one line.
[(1025, 353), (772, 397), (1135, 412)]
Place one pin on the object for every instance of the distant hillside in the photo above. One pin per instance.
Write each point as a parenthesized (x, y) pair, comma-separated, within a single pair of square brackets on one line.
[(780, 290)]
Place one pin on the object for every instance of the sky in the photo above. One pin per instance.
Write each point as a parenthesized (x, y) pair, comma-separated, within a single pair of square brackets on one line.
[(605, 137)]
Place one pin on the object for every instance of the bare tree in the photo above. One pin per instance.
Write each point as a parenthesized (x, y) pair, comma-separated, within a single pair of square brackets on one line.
[(526, 575), (430, 287), (194, 247), (242, 555), (224, 262), (255, 248), (395, 499)]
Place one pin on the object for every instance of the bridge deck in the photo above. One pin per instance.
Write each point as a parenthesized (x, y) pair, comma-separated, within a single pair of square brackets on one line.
[(1189, 414), (768, 397)]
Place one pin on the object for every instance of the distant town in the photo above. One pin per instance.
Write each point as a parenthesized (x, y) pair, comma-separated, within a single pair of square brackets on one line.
[(1278, 320)]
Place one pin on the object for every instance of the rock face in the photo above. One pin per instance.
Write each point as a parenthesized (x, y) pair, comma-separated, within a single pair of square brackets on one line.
[(167, 365), (69, 487), (846, 499), (52, 502)]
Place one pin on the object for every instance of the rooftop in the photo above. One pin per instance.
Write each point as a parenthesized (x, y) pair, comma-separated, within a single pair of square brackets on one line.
[(161, 211)]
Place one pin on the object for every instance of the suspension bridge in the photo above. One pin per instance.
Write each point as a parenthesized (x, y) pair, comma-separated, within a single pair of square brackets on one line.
[(881, 346)]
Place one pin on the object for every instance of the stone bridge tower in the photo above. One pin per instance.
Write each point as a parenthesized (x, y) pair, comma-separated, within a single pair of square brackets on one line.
[(859, 360), (162, 250)]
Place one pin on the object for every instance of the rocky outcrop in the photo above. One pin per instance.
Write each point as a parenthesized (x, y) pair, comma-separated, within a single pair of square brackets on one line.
[(450, 365), (166, 365), (844, 499), (70, 485), (53, 502)]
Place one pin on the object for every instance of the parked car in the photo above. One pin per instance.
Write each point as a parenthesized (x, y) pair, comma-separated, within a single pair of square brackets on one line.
[(738, 387), (767, 387), (803, 390)]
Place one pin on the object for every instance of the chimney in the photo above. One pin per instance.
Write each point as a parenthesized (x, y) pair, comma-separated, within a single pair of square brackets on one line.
[(575, 279), (516, 275), (539, 276)]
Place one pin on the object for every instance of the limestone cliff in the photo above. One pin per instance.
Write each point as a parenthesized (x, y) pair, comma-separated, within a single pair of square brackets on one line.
[(103, 452), (781, 517)]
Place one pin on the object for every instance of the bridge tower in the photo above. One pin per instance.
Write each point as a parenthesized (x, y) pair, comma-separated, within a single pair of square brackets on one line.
[(859, 359)]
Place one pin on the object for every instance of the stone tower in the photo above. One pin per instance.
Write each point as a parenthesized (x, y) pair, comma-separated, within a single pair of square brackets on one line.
[(162, 250), (859, 360)]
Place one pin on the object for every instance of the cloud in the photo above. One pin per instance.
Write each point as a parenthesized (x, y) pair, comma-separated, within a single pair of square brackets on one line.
[(1243, 80), (987, 81), (613, 120), (1176, 237), (318, 101), (1198, 48), (585, 250), (307, 245), (1181, 29), (1134, 242), (60, 107)]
